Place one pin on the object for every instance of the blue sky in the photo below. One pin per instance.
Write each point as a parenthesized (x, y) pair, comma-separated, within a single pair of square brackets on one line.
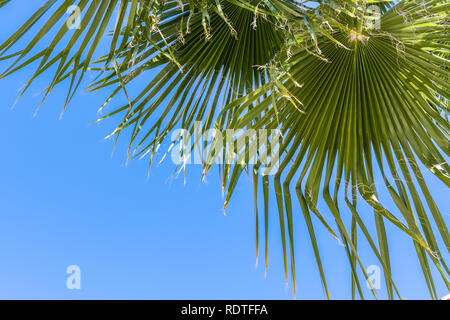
[(65, 201)]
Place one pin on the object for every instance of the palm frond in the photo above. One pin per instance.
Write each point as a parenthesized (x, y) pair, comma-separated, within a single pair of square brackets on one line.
[(376, 102), (354, 103)]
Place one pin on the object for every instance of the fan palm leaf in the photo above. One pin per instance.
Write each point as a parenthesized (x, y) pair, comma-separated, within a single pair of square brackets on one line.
[(352, 101), (378, 100)]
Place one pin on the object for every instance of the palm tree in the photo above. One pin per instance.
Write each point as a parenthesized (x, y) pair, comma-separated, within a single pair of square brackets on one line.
[(358, 89)]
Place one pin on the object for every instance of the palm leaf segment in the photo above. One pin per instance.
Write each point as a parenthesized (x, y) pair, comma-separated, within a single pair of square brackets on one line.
[(351, 101)]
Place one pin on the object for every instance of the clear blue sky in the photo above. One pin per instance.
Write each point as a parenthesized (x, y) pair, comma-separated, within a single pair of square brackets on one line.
[(64, 200)]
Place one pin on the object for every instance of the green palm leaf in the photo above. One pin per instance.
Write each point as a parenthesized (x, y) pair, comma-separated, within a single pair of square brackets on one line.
[(377, 103), (353, 102)]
